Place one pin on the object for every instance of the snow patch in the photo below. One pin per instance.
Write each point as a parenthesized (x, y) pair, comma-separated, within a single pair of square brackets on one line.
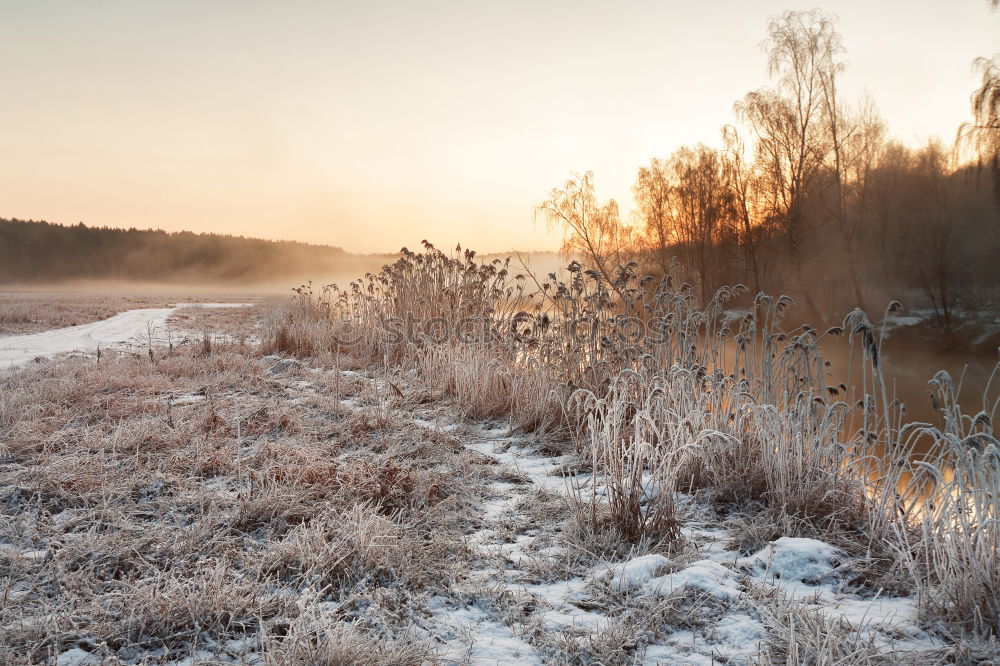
[(794, 559), (489, 642), (637, 571), (443, 427), (129, 328), (705, 575), (76, 657)]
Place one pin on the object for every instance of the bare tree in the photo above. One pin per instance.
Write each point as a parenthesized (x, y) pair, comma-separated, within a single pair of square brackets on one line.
[(592, 231), (982, 135), (932, 213), (856, 139), (886, 195), (792, 143), (652, 198), (685, 202), (702, 205), (742, 182)]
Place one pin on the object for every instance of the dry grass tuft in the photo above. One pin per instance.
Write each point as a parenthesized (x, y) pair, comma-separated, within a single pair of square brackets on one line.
[(163, 509)]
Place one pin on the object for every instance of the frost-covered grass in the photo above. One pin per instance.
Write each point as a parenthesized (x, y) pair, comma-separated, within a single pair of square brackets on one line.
[(527, 498), (202, 504), (742, 411), (229, 508)]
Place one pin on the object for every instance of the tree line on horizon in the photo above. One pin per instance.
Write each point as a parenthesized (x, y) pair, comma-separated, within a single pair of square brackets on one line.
[(810, 196), (33, 252)]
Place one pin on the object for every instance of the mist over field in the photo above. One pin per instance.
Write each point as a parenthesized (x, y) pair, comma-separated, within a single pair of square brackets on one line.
[(39, 252), (40, 255)]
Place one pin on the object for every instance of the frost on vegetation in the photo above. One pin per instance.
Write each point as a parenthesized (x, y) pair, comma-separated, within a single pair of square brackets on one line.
[(396, 493)]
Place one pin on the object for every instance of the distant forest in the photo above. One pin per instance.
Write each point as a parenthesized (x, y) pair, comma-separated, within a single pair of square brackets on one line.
[(33, 252)]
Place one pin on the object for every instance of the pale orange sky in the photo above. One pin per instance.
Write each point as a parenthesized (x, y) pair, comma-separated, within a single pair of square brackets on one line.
[(374, 125)]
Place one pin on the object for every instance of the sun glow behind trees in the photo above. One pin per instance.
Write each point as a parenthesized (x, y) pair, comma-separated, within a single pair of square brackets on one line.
[(808, 195), (372, 126)]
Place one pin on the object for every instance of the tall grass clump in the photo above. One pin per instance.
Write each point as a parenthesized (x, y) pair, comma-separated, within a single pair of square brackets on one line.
[(953, 548), (731, 405), (659, 394), (302, 327), (454, 318)]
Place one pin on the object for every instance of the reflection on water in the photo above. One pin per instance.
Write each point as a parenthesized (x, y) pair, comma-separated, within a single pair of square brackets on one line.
[(908, 367)]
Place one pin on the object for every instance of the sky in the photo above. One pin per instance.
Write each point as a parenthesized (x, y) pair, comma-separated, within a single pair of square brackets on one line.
[(374, 125)]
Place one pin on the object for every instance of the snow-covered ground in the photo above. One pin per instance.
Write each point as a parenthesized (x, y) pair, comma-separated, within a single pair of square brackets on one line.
[(731, 600), (803, 571), (130, 328)]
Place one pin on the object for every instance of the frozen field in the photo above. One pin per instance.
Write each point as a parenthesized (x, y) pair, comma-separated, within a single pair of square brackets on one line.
[(231, 485), (251, 514), (133, 328)]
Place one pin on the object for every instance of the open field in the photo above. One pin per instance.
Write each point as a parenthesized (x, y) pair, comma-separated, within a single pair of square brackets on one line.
[(34, 311), (290, 489), (136, 331)]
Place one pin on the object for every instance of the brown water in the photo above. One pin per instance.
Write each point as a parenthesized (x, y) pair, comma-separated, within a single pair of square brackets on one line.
[(908, 366)]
